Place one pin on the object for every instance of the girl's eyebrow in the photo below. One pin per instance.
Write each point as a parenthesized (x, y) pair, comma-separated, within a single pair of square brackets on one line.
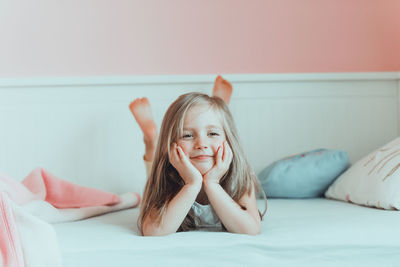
[(211, 126), (214, 127)]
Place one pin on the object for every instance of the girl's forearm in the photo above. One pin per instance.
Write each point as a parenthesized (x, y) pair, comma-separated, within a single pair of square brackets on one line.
[(176, 212), (234, 218)]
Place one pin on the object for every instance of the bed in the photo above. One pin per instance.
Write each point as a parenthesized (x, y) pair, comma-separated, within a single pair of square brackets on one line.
[(308, 232), (81, 129)]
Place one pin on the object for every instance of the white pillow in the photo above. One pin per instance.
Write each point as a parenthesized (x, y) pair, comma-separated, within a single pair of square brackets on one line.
[(373, 181)]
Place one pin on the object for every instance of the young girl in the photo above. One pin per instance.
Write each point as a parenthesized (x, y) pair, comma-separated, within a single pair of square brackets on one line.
[(198, 174)]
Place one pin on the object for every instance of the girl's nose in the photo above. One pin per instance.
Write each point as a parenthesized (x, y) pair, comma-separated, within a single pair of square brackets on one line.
[(200, 144), (201, 147)]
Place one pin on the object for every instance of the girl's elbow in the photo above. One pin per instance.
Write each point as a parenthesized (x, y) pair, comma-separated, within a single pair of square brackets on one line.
[(148, 233), (254, 229), (149, 230), (152, 230), (250, 231)]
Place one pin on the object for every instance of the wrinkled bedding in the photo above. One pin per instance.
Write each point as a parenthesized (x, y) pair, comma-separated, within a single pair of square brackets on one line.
[(309, 232)]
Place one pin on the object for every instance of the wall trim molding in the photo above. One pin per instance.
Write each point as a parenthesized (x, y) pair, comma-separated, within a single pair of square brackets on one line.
[(193, 79), (398, 107)]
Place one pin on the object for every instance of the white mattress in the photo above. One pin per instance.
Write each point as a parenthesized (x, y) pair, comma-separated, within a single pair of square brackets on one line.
[(311, 232)]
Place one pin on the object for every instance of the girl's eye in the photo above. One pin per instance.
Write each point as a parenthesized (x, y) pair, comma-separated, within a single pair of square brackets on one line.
[(214, 134), (187, 136)]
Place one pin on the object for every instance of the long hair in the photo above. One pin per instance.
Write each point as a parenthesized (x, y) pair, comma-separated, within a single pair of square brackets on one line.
[(164, 181)]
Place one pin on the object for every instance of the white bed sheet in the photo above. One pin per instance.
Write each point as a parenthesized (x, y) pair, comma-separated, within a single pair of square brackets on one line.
[(310, 232)]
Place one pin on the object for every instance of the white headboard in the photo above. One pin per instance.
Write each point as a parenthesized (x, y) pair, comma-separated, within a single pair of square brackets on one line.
[(81, 128)]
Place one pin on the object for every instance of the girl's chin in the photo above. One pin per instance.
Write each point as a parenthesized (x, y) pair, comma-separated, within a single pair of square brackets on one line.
[(203, 168)]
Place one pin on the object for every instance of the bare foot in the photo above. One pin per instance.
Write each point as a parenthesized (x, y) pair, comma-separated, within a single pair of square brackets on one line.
[(223, 89), (141, 110)]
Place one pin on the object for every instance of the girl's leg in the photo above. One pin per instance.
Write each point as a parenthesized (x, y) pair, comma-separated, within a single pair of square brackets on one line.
[(141, 110), (223, 89)]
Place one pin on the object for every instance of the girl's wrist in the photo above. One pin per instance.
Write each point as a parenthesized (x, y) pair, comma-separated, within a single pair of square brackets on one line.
[(194, 185), (210, 184)]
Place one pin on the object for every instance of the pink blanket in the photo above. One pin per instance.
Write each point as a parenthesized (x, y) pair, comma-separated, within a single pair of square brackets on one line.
[(27, 208)]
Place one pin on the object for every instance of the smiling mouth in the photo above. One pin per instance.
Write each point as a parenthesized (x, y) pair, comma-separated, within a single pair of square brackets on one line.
[(202, 157)]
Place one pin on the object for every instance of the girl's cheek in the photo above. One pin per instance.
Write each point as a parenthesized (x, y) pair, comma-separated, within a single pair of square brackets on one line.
[(216, 146), (184, 148)]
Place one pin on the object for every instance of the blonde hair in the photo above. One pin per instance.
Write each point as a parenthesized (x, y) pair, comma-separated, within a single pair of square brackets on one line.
[(164, 181)]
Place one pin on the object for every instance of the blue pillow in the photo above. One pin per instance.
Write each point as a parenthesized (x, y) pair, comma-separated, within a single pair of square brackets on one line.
[(305, 175)]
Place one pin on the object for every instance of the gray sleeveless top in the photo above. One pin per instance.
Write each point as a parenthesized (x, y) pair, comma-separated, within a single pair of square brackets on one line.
[(205, 217)]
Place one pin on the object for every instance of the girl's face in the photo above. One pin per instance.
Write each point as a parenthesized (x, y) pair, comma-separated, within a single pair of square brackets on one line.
[(202, 135)]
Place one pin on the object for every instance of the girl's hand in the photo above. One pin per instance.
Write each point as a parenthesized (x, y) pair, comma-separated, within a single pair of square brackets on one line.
[(185, 168), (223, 159)]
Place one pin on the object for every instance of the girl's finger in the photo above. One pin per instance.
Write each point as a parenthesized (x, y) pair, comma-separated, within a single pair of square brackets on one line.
[(176, 152), (180, 153), (223, 151), (228, 153), (219, 155)]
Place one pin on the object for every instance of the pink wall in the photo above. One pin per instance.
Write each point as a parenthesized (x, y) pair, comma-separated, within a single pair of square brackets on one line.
[(132, 37)]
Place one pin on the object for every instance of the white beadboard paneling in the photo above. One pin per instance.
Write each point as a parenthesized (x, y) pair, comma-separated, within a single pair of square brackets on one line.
[(80, 128), (287, 126)]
